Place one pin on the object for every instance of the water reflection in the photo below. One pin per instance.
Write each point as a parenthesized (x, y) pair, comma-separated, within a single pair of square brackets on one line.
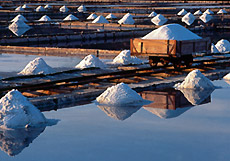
[(18, 31)]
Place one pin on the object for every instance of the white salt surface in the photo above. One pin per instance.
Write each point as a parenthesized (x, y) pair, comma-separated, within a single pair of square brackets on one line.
[(159, 20), (92, 17), (182, 12), (223, 46), (17, 112), (127, 19), (37, 66), (221, 11), (125, 58), (171, 32), (40, 9), (205, 17), (19, 9), (19, 17), (110, 16), (208, 11), (198, 12), (152, 14), (195, 80), (48, 6), (81, 8), (45, 18), (119, 95), (25, 6), (188, 18), (70, 17), (64, 9), (19, 27), (227, 77), (89, 62), (214, 49), (100, 19)]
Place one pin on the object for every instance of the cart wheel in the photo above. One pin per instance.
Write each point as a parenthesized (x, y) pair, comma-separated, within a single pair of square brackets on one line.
[(188, 61), (177, 64), (153, 61), (164, 62)]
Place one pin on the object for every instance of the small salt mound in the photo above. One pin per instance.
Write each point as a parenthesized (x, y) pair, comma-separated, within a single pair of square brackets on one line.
[(221, 11), (17, 112), (119, 95), (37, 66), (182, 12), (188, 18), (81, 8), (19, 17), (195, 80), (198, 12), (40, 9), (92, 17), (125, 58), (171, 32), (100, 19), (89, 62), (25, 6), (127, 19), (45, 18), (223, 46), (48, 6), (214, 49), (110, 16), (152, 14), (64, 9), (70, 17), (159, 20), (227, 77), (205, 17), (208, 11), (19, 8), (19, 27)]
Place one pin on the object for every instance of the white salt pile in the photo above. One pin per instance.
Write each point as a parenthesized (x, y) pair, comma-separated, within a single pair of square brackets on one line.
[(171, 32), (125, 58), (48, 6), (64, 9), (19, 9), (182, 12), (119, 95), (40, 9), (152, 14), (198, 12), (222, 11), (90, 61), (159, 20), (127, 19), (110, 16), (214, 49), (45, 18), (100, 19), (208, 11), (81, 8), (223, 46), (17, 112), (19, 27), (37, 66), (92, 17), (205, 17), (19, 17), (70, 17), (188, 18), (195, 80), (25, 6), (227, 77)]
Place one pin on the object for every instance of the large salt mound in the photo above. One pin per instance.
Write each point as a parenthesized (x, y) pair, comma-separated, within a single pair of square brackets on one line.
[(45, 18), (64, 9), (19, 27), (205, 17), (19, 17), (89, 62), (100, 19), (17, 112), (208, 11), (214, 49), (127, 19), (125, 58), (81, 8), (195, 80), (110, 16), (119, 95), (19, 9), (40, 9), (37, 66), (188, 18), (171, 32), (223, 46), (152, 14), (182, 12), (221, 11), (70, 17), (92, 17), (159, 20), (198, 12)]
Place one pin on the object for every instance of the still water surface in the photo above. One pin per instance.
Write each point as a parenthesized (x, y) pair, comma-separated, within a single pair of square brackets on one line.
[(86, 133)]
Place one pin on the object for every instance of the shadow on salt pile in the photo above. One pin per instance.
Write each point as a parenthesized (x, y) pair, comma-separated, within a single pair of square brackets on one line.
[(171, 103)]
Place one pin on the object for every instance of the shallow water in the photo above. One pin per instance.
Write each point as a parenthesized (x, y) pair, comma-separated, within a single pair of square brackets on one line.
[(87, 133)]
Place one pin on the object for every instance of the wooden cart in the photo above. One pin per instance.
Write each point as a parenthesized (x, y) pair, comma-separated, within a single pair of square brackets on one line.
[(165, 51)]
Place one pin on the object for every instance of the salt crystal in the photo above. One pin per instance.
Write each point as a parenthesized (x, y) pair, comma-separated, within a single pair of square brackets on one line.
[(159, 20), (223, 46), (198, 12), (89, 62), (188, 18), (182, 12), (64, 9), (100, 19), (205, 17), (127, 19)]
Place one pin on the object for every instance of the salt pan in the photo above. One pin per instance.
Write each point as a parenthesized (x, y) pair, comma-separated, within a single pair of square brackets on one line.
[(159, 20), (92, 17), (127, 19), (198, 12), (64, 9), (125, 58), (110, 16), (37, 66), (100, 19), (152, 14), (45, 18), (70, 17), (205, 17), (188, 18), (81, 8), (182, 12), (208, 11), (19, 9), (19, 17), (171, 32), (214, 49), (89, 62), (40, 9), (223, 46), (221, 11)]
